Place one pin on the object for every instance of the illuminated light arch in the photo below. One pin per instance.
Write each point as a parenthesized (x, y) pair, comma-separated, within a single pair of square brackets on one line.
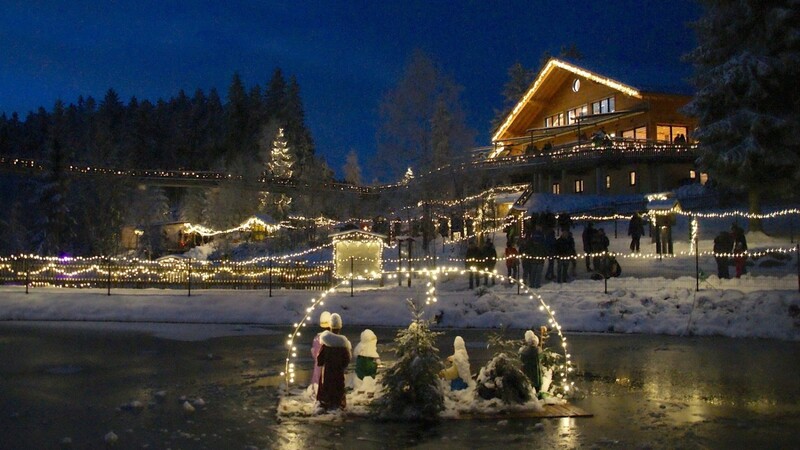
[(430, 298)]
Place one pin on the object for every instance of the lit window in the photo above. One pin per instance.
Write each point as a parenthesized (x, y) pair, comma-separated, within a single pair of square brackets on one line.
[(639, 134), (574, 114), (692, 174), (578, 186), (606, 105), (555, 120), (608, 181), (668, 133), (703, 177), (556, 188), (632, 178)]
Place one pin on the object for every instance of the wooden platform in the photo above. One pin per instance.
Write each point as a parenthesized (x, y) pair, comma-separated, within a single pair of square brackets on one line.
[(549, 412)]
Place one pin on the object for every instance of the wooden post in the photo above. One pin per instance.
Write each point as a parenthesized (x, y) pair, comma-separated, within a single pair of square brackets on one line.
[(352, 274), (270, 277), (189, 277)]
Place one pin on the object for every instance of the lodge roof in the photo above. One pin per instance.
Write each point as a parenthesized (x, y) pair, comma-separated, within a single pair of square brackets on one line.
[(621, 76)]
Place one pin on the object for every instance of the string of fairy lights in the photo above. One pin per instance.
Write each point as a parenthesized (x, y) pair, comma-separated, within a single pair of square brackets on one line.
[(290, 364)]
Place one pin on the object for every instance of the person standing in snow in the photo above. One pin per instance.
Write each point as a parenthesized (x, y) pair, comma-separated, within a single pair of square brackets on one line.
[(457, 371), (333, 359), (723, 246), (471, 260), (564, 252), (538, 254), (489, 260), (316, 346), (635, 231), (531, 356), (588, 236), (366, 355), (512, 261), (739, 249)]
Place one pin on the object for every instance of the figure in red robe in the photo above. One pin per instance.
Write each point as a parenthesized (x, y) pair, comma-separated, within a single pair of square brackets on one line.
[(333, 358)]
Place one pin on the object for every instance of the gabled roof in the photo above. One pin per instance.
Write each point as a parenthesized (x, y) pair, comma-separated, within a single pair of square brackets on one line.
[(548, 77), (357, 233)]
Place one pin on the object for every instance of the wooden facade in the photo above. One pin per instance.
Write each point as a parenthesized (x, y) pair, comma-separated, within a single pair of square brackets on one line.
[(603, 136)]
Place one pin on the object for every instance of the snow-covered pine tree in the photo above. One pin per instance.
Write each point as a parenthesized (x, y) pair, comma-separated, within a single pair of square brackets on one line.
[(747, 64), (411, 387)]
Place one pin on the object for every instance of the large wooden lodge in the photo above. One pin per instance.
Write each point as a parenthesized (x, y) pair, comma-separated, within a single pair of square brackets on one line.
[(577, 131)]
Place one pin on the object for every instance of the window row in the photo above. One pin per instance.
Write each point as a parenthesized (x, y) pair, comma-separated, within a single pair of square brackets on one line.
[(579, 186), (604, 106)]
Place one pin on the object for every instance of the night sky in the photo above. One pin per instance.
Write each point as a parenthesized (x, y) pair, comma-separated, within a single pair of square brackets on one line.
[(345, 54)]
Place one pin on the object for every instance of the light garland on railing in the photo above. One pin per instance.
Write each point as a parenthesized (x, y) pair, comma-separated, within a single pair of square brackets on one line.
[(430, 298)]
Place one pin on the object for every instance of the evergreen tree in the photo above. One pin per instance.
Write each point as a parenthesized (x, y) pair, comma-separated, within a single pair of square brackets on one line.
[(237, 119), (411, 387), (352, 169), (54, 230), (747, 64), (407, 113), (281, 158), (519, 80)]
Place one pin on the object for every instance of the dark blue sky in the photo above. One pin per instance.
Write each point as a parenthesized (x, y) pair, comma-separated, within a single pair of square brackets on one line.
[(345, 54)]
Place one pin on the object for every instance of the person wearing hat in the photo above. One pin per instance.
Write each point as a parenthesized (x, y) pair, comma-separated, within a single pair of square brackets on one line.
[(457, 370), (333, 359), (530, 354), (316, 346)]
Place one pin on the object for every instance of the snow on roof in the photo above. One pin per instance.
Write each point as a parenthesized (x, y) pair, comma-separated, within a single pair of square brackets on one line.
[(356, 232), (663, 204), (566, 203)]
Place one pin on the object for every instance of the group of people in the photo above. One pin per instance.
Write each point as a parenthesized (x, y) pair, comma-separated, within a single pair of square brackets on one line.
[(332, 353), (595, 246), (729, 244), (480, 258), (539, 246)]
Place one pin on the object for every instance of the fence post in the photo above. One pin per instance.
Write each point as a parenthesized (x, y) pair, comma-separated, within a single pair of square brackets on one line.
[(189, 277), (352, 274), (797, 254), (605, 274), (27, 273), (270, 278), (108, 281)]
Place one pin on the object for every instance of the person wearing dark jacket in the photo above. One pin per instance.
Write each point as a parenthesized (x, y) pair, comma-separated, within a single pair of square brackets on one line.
[(723, 246), (600, 245), (472, 260), (512, 261), (587, 236), (635, 231), (563, 250), (550, 243), (333, 358), (489, 255), (538, 250)]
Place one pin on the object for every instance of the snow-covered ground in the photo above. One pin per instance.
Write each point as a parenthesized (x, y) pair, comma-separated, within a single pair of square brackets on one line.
[(635, 308)]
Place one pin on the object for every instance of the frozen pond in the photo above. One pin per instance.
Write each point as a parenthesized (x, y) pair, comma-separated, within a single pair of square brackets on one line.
[(79, 383)]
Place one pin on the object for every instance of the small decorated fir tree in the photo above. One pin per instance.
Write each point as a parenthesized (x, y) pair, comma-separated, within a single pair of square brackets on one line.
[(411, 387), (502, 377)]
